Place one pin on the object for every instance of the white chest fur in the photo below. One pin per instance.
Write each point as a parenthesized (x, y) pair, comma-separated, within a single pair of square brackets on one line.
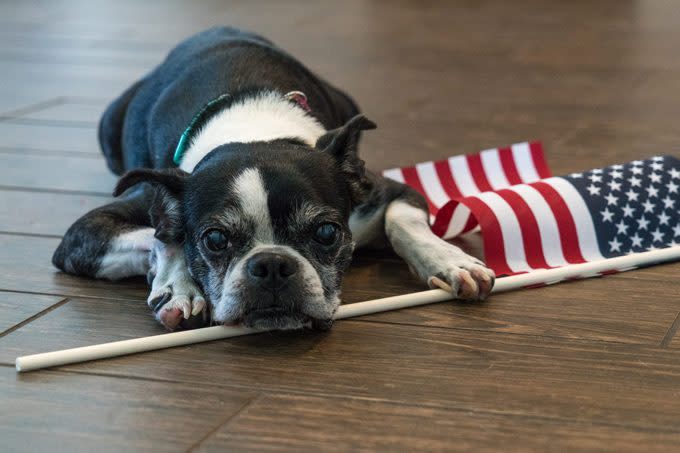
[(268, 116)]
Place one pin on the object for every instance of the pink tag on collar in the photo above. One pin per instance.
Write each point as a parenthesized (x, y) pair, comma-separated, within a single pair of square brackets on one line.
[(300, 98)]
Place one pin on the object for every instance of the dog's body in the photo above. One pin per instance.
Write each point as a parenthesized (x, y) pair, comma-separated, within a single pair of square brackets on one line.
[(269, 200)]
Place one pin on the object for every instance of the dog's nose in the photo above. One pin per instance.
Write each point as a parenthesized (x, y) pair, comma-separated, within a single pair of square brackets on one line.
[(271, 270)]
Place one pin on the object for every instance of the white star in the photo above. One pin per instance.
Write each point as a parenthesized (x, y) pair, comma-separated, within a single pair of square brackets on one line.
[(632, 195), (576, 175), (595, 178), (652, 191), (668, 202), (664, 218), (638, 162), (658, 236), (617, 167), (616, 174), (672, 187), (655, 177), (636, 170), (628, 210), (614, 186), (611, 199), (657, 166), (593, 189), (674, 173), (596, 170), (676, 230), (607, 215), (649, 206), (642, 223), (657, 158), (621, 228), (637, 240), (635, 181), (615, 245)]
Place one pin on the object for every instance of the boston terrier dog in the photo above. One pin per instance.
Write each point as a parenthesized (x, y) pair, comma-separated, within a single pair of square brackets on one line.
[(243, 196)]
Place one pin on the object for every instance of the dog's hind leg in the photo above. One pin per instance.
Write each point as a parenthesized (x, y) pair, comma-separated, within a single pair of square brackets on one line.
[(117, 241), (111, 242)]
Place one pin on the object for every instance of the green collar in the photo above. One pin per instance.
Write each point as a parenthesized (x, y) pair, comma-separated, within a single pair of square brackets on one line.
[(196, 122), (214, 106)]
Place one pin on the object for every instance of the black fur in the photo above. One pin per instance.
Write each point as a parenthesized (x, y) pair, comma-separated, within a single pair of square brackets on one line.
[(142, 127)]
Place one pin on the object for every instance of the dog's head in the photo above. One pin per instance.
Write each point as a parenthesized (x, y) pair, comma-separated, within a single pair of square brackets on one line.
[(265, 225)]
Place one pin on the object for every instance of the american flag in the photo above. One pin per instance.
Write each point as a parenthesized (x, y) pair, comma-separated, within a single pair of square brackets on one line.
[(530, 220)]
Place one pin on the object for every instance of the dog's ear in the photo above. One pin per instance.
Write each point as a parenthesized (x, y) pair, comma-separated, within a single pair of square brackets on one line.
[(342, 144), (166, 209)]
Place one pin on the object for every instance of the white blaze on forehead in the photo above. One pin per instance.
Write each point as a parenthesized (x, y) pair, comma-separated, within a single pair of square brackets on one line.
[(249, 191)]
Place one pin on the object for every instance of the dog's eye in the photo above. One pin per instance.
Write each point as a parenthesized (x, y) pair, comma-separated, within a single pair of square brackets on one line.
[(215, 240), (326, 234)]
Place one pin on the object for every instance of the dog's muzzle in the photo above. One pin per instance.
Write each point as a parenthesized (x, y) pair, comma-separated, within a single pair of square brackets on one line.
[(275, 287), (271, 271)]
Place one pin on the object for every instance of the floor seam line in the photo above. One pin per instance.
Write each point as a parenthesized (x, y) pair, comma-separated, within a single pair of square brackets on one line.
[(36, 107), (227, 420), (671, 332), (91, 193), (32, 318)]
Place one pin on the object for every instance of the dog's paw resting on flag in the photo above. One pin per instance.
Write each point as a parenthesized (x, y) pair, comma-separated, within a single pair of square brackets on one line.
[(435, 261)]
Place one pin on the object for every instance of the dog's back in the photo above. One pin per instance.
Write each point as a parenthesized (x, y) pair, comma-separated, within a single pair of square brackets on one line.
[(141, 128)]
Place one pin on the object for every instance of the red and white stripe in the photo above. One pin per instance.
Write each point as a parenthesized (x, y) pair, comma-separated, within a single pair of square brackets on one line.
[(541, 225), (443, 182)]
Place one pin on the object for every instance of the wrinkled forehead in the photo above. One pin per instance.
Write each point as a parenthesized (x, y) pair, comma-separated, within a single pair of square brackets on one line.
[(267, 202)]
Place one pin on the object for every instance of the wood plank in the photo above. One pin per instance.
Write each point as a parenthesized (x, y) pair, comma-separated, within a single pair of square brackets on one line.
[(587, 381), (50, 411), (45, 137), (584, 309), (618, 139), (17, 308), (296, 423), (9, 104), (54, 172), (672, 338), (77, 112), (44, 212)]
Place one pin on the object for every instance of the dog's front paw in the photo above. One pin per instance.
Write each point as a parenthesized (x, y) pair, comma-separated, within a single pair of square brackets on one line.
[(176, 300), (462, 275), (179, 304)]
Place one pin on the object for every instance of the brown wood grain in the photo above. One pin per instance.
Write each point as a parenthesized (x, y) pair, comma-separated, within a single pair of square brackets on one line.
[(50, 411), (586, 366), (46, 213), (350, 424), (582, 310), (54, 172), (74, 112), (532, 375), (47, 137), (19, 307)]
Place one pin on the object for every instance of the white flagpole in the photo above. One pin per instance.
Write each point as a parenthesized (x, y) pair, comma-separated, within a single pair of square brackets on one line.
[(541, 277)]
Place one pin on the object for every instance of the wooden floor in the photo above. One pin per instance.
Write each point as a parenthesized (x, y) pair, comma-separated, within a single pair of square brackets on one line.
[(589, 365)]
